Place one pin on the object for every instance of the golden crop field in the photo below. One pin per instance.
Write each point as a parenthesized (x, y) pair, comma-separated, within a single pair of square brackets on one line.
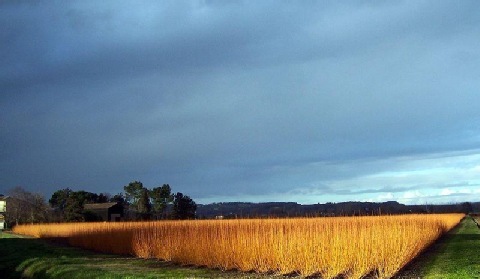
[(333, 246)]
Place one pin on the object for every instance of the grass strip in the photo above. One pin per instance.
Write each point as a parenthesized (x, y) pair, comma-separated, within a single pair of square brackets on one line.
[(37, 258), (456, 256), (9, 235)]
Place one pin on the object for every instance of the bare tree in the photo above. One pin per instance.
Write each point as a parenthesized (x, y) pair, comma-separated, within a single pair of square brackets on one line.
[(25, 207)]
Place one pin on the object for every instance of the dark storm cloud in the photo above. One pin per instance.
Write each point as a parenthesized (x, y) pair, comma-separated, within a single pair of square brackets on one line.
[(232, 97)]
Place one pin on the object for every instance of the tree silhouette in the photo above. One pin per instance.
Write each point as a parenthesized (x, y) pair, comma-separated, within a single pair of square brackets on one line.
[(183, 207), (144, 206)]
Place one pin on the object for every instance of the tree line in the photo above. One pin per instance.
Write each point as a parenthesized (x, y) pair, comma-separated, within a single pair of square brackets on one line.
[(66, 205), (25, 207)]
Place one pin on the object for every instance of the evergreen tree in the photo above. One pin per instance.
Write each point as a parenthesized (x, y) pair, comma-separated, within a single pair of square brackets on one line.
[(73, 211), (144, 206), (69, 204), (133, 192), (161, 197), (183, 207), (59, 199)]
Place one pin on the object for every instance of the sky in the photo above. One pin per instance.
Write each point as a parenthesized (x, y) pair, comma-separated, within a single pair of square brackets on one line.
[(254, 101)]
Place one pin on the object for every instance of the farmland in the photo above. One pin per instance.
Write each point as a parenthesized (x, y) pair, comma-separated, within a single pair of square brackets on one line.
[(37, 258), (348, 246), (455, 256)]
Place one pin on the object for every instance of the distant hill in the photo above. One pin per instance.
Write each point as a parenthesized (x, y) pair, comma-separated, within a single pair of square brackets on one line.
[(292, 209)]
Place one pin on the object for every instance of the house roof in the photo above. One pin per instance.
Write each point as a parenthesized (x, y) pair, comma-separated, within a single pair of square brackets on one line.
[(105, 205)]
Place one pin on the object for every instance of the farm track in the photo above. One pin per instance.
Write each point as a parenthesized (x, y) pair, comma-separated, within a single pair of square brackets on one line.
[(476, 219), (454, 256)]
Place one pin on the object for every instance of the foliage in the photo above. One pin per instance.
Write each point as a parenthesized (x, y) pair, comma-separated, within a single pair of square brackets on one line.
[(139, 203), (73, 211), (59, 198), (119, 198), (102, 198), (143, 205), (161, 197), (84, 197), (69, 204), (183, 207), (138, 200), (133, 192), (466, 207)]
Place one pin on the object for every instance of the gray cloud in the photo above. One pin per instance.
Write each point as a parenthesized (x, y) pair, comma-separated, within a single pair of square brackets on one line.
[(232, 98)]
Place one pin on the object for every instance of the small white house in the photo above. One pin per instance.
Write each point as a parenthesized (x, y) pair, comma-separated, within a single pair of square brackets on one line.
[(3, 205), (3, 209)]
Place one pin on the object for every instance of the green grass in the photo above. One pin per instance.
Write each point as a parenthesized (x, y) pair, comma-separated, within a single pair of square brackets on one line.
[(9, 235), (36, 258), (456, 256)]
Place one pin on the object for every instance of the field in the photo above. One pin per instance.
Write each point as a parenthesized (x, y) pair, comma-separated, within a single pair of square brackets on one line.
[(37, 258), (343, 246)]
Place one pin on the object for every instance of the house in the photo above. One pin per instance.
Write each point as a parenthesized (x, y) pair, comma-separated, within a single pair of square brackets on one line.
[(109, 211), (3, 210), (3, 204)]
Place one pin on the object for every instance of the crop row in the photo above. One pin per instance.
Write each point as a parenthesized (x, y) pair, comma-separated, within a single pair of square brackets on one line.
[(349, 246)]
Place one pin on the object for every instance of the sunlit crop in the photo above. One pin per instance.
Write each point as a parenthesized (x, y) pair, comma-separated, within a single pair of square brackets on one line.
[(348, 246)]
